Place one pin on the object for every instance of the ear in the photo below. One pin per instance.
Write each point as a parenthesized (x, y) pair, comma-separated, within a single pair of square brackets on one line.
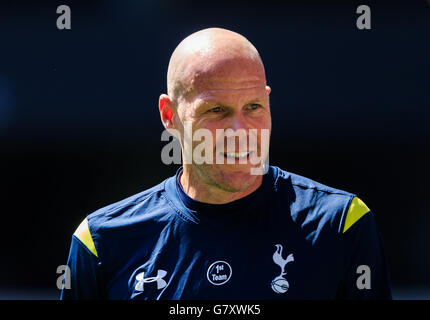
[(165, 106), (268, 89)]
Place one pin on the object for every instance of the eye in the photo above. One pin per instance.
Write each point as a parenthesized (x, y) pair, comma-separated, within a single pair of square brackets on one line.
[(254, 106), (215, 110)]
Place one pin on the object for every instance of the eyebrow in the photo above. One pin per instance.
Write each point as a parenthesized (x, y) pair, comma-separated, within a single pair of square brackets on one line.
[(211, 102), (234, 89)]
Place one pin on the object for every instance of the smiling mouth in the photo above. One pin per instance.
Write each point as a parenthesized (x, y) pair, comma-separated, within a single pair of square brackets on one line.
[(237, 155)]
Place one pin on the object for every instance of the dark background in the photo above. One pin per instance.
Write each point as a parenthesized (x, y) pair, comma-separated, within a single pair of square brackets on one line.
[(79, 126)]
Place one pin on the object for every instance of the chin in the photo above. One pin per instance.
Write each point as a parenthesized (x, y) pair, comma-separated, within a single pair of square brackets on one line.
[(235, 177)]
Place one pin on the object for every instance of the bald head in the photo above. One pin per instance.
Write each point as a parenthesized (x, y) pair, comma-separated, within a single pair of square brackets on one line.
[(213, 59), (217, 86)]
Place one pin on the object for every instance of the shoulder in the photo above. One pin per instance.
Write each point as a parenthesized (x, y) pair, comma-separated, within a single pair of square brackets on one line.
[(120, 219), (312, 201), (118, 212), (302, 183), (305, 191)]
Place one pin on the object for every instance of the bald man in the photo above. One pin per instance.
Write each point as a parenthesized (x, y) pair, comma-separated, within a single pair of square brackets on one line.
[(227, 225)]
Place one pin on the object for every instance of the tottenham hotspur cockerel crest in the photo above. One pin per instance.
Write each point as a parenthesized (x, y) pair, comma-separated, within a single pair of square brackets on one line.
[(280, 284)]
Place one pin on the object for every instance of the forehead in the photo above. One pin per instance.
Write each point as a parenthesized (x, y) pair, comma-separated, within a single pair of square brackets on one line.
[(226, 77), (230, 96)]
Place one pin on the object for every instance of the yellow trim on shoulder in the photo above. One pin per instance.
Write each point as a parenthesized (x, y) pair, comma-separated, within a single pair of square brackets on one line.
[(356, 210), (83, 233)]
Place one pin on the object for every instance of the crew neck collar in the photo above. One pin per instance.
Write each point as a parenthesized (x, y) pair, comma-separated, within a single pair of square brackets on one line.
[(196, 211)]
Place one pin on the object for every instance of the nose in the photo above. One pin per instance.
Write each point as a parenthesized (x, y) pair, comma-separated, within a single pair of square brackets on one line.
[(237, 122), (236, 134)]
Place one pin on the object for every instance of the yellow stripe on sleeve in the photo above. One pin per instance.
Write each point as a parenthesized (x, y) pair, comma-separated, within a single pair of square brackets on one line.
[(83, 234), (356, 210)]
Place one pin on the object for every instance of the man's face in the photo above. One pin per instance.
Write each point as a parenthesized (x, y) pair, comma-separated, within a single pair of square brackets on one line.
[(234, 97)]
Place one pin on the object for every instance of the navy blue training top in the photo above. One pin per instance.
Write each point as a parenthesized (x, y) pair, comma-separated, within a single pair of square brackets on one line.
[(293, 238)]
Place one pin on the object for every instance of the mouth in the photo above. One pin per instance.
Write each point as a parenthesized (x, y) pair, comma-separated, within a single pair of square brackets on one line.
[(237, 155)]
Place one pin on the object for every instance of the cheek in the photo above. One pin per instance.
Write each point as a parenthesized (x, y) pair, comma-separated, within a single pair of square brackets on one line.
[(212, 126), (264, 128), (262, 122), (208, 131)]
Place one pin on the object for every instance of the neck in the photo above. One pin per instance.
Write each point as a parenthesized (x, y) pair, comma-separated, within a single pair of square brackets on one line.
[(198, 189)]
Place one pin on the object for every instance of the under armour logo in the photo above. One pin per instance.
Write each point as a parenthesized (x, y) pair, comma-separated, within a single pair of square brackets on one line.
[(159, 279)]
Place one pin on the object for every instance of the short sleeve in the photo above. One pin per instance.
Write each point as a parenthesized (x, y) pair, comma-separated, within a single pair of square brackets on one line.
[(84, 268), (366, 273)]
